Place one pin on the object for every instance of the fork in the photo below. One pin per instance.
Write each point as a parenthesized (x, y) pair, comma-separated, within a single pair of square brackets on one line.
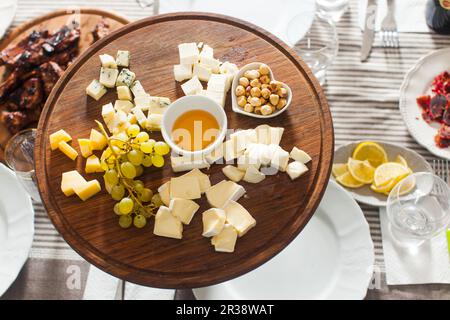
[(389, 34), (441, 169)]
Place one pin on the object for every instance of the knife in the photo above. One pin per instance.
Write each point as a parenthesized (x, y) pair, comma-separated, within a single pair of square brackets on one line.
[(369, 29)]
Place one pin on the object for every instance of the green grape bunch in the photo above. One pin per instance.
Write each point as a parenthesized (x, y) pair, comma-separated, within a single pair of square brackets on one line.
[(124, 160)]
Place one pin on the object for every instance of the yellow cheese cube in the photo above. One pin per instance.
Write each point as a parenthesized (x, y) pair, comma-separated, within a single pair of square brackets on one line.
[(58, 136), (225, 241), (67, 150), (124, 93), (85, 147), (93, 164), (87, 190), (70, 180), (98, 140)]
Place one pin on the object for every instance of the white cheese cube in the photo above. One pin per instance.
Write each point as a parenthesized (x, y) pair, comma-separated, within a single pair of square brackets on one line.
[(275, 135), (230, 70), (143, 102), (192, 87), (164, 193), (182, 72), (124, 93), (243, 138), (230, 151), (183, 209), (244, 161), (189, 53), (300, 155), (258, 153), (280, 160), (203, 72), (108, 113), (207, 52), (123, 105), (185, 188), (108, 77), (167, 225), (123, 58), (239, 217), (225, 241), (154, 121), (217, 83), (95, 90), (140, 116), (107, 61), (125, 77), (218, 97), (203, 179), (296, 169), (252, 175), (233, 173), (219, 194), (207, 59), (186, 163), (137, 89), (215, 155), (213, 222), (262, 133)]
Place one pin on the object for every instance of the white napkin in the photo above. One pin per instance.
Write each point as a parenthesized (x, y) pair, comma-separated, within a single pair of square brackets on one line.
[(101, 285), (413, 21), (137, 292), (7, 11), (430, 263), (273, 16)]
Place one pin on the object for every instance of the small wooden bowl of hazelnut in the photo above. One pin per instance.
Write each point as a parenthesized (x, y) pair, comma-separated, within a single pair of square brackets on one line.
[(256, 93)]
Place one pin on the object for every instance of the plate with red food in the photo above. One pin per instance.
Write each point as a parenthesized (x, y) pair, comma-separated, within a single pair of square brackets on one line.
[(425, 102)]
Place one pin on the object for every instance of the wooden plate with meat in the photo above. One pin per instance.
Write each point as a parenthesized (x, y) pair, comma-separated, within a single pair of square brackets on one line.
[(35, 54), (280, 206)]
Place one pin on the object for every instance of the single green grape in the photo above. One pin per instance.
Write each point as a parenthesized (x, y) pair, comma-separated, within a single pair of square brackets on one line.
[(112, 177), (126, 205), (146, 195), (133, 130), (146, 212), (157, 160), (141, 137), (139, 221), (116, 209), (161, 148), (117, 192), (147, 146), (147, 161), (139, 170), (120, 140), (125, 221), (135, 157), (128, 170), (156, 200), (138, 185)]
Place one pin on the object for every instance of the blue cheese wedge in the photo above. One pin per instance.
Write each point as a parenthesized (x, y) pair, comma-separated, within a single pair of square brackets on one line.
[(167, 225), (202, 71), (189, 53), (219, 194), (137, 89), (108, 77), (300, 155), (125, 77), (296, 169), (233, 173), (158, 105), (213, 222), (123, 105), (183, 209), (185, 187), (107, 61), (225, 241), (182, 72), (192, 87), (124, 93), (239, 217), (95, 90), (123, 58), (143, 101)]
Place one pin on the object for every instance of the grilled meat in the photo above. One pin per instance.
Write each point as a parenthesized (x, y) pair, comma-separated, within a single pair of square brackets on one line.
[(50, 73), (101, 30), (17, 120)]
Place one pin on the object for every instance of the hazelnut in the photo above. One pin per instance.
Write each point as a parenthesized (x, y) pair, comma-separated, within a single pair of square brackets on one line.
[(263, 101), (274, 85), (248, 108), (282, 92), (255, 92), (264, 69), (254, 101), (252, 74), (281, 104), (265, 86), (247, 90), (266, 110), (264, 79), (265, 93), (274, 99), (243, 81), (240, 91), (242, 101), (257, 110), (255, 83)]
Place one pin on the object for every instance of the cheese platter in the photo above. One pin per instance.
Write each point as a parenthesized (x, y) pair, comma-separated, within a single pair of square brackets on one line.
[(202, 215)]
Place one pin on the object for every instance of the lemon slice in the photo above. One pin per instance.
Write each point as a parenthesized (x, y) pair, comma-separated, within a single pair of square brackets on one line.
[(339, 169), (347, 180), (390, 171), (401, 160), (384, 189), (362, 171), (407, 186), (370, 151)]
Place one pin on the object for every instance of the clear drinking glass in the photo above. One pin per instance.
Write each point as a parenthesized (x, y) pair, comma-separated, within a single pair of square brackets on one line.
[(333, 8), (418, 208), (319, 46), (19, 156)]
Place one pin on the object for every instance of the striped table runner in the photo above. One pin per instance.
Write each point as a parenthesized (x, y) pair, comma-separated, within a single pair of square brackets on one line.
[(364, 102)]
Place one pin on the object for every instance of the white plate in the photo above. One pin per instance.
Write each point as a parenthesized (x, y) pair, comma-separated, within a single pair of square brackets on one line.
[(16, 227), (364, 194), (417, 82), (332, 258), (7, 12)]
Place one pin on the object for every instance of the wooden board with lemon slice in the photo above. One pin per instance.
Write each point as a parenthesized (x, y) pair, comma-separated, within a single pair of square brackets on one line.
[(370, 169)]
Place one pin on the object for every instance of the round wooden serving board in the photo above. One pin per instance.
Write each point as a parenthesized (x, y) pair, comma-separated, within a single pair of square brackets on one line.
[(87, 19), (280, 206)]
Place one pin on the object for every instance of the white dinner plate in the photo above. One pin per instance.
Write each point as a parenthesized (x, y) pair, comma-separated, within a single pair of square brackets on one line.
[(332, 258), (7, 12), (16, 227), (416, 83)]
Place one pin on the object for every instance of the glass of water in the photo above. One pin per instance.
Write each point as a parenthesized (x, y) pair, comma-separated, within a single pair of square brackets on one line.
[(333, 8), (418, 208), (19, 156), (319, 46)]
